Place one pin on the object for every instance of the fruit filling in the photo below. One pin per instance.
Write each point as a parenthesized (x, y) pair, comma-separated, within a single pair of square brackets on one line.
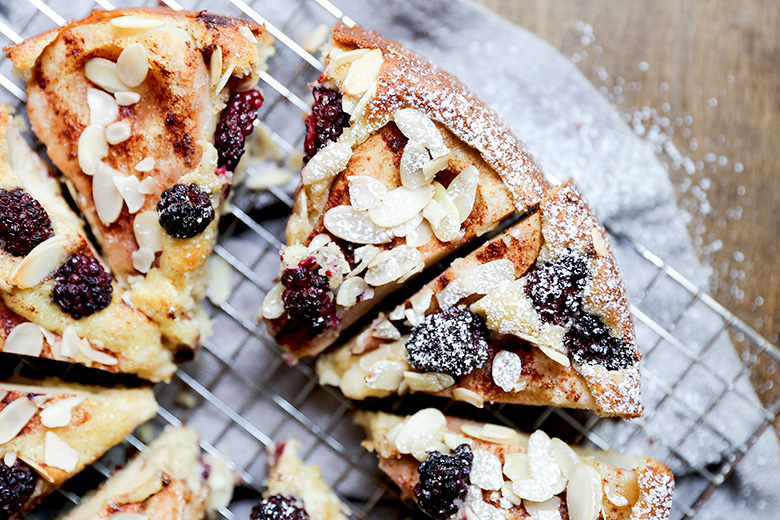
[(325, 123), (17, 485), (307, 297), (185, 210), (23, 222), (279, 507), (82, 286), (444, 481), (235, 123)]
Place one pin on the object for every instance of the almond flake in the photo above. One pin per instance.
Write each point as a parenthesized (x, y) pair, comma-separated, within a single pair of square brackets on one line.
[(429, 382), (215, 67), (507, 370), (103, 73), (420, 236), (395, 264), (246, 32), (453, 440), (9, 459), (400, 205), (92, 147), (414, 157), (220, 482), (95, 355), (58, 454), (363, 102), (327, 163), (225, 78), (541, 463), (421, 433), (146, 164), (41, 261), (128, 186), (434, 166), (598, 242), (418, 127), (273, 307), (147, 230), (107, 198), (14, 417), (583, 494), (490, 433), (477, 509), (143, 258), (566, 458), (531, 489), (547, 510), (362, 73), (397, 313), (148, 186), (69, 347), (335, 62), (118, 132), (25, 339), (60, 413), (483, 278), (468, 396), (442, 214), (509, 495), (135, 22), (132, 65), (486, 470), (409, 226), (422, 300), (127, 98), (614, 496), (463, 190), (386, 330), (366, 192), (103, 108), (385, 375), (355, 226), (350, 291)]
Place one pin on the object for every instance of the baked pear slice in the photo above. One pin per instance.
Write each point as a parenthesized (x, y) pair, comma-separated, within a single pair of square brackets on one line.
[(145, 112), (537, 316), (296, 486), (405, 165), (57, 300), (170, 479), (50, 430), (453, 467)]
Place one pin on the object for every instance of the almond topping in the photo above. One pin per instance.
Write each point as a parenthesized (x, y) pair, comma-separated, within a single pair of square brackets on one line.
[(69, 346), (362, 73), (246, 32), (420, 236), (334, 62), (583, 494), (103, 73), (58, 454), (108, 200), (42, 260), (9, 459), (418, 127), (386, 330), (103, 108), (598, 242), (483, 278), (225, 78), (60, 413), (135, 22), (327, 163), (400, 205), (468, 396), (14, 417), (421, 433), (442, 214), (215, 67), (490, 433), (273, 307), (434, 166), (25, 339), (547, 510), (385, 375), (145, 165), (118, 132), (396, 264), (566, 458), (507, 370), (147, 230), (351, 290), (143, 258), (128, 186), (132, 65), (355, 226), (366, 192), (429, 382), (463, 190), (127, 98), (410, 226), (92, 147), (95, 355), (486, 471), (413, 159)]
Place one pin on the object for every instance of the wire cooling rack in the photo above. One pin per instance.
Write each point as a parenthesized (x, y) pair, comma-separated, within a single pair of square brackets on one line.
[(241, 396)]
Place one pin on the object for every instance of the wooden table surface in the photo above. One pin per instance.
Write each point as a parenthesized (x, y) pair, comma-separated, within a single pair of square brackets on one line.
[(712, 67)]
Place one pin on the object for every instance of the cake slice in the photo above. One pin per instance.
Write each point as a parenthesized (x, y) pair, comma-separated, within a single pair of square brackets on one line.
[(538, 315), (404, 165), (50, 430), (170, 479), (453, 468), (145, 111), (57, 300), (296, 488)]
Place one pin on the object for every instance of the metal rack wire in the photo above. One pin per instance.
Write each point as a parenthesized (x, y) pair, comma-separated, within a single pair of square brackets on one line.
[(246, 397)]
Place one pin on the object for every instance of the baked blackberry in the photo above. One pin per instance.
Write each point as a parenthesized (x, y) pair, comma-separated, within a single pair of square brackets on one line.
[(444, 481), (452, 342), (279, 507), (23, 222), (82, 287), (185, 210), (235, 123), (325, 123), (307, 297), (590, 342), (17, 485)]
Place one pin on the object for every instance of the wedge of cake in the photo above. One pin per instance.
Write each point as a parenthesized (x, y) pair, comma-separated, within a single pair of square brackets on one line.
[(57, 300), (145, 111), (170, 479), (453, 468), (50, 430), (296, 491), (538, 315)]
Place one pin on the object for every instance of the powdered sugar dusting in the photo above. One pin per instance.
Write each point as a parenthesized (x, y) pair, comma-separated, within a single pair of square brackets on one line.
[(656, 487)]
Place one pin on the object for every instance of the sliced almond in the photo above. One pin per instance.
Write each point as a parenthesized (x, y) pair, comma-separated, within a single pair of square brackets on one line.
[(132, 65), (58, 454), (128, 186), (225, 78), (541, 463), (434, 166), (566, 458), (531, 489), (14, 417), (95, 355), (483, 278), (429, 382), (507, 371), (401, 205), (410, 226), (147, 230), (327, 163), (386, 330), (103, 108), (149, 186), (215, 67), (547, 510), (468, 396), (25, 339), (118, 132), (362, 73), (69, 347), (246, 32), (395, 264), (418, 127), (60, 413), (477, 508), (108, 200), (127, 98), (9, 459), (486, 470), (358, 109), (420, 236), (135, 22), (463, 190), (42, 260), (143, 258), (103, 73), (421, 433), (366, 192), (350, 291), (355, 226), (599, 244), (583, 494), (614, 496), (344, 58), (151, 482), (414, 157), (92, 147), (421, 300), (146, 164), (273, 307), (442, 214), (385, 375), (491, 433)]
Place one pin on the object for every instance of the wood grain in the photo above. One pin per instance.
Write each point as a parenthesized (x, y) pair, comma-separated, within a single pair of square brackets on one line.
[(712, 67)]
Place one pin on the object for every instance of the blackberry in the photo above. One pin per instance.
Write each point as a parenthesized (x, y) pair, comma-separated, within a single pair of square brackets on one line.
[(279, 507), (444, 481), (307, 297), (452, 342), (235, 124), (185, 210), (23, 222), (325, 123), (556, 290), (17, 485), (82, 287)]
